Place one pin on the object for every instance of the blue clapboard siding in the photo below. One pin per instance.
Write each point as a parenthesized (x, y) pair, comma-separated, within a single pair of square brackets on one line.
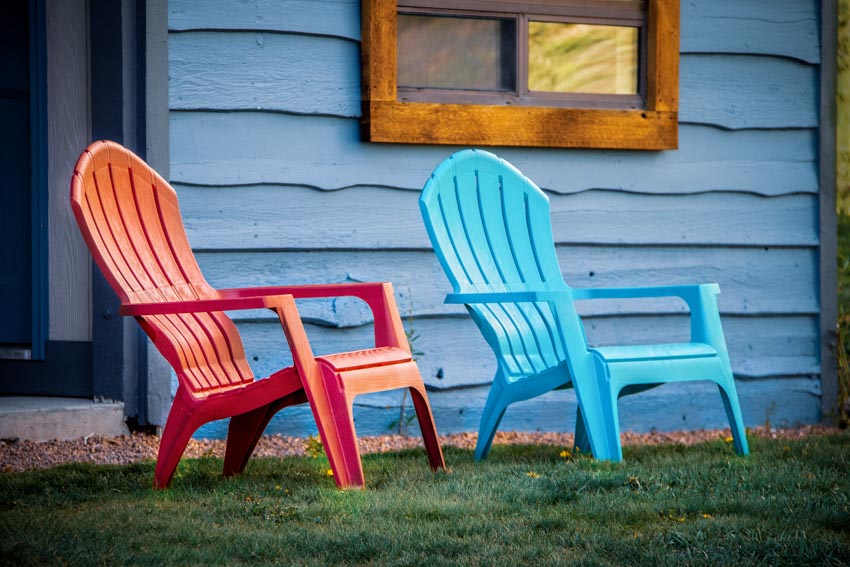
[(246, 71), (777, 93), (277, 188), (289, 214), (781, 402), (774, 27), (215, 149), (753, 280), (335, 18), (786, 348), (787, 28)]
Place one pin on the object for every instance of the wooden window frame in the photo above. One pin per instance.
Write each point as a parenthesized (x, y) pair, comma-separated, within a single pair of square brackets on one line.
[(386, 119)]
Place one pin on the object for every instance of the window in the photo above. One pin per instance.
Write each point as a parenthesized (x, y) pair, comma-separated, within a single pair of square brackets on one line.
[(557, 73)]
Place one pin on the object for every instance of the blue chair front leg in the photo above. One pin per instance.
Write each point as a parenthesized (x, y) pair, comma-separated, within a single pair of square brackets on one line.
[(597, 410), (706, 327), (491, 416), (729, 395), (582, 440)]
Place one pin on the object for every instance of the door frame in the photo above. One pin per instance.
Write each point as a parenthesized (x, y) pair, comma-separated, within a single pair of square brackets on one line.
[(38, 181)]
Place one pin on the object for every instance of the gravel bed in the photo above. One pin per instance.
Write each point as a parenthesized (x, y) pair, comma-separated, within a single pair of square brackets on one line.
[(18, 455)]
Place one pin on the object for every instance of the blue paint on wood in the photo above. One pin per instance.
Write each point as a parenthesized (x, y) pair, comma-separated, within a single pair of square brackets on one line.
[(783, 402), (294, 73), (753, 281), (736, 204), (338, 18), (788, 27), (250, 148), (740, 92), (786, 347), (319, 75), (777, 27), (284, 217)]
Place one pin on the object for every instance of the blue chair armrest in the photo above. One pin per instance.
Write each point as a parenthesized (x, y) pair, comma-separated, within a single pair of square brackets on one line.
[(687, 292), (701, 300), (507, 297)]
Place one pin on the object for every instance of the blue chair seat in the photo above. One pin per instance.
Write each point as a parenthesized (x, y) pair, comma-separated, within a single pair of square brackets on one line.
[(672, 351)]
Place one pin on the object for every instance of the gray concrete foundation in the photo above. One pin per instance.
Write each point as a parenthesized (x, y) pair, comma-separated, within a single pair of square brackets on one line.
[(45, 418)]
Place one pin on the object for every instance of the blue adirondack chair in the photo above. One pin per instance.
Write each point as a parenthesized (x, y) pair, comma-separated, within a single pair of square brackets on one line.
[(491, 231)]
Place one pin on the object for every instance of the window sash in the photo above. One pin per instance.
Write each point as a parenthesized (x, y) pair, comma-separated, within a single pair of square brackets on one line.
[(385, 118), (522, 95)]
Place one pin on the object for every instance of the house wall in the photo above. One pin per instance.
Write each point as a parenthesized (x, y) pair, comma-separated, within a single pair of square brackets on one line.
[(68, 132), (276, 187)]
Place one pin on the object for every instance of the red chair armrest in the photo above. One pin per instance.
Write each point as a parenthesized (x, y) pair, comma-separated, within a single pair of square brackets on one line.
[(377, 295), (204, 305)]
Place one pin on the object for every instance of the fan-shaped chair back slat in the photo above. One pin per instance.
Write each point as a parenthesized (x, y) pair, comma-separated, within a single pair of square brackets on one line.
[(130, 218), (491, 229)]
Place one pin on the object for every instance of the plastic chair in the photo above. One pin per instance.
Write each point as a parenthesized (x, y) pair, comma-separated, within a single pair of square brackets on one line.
[(130, 219), (490, 228)]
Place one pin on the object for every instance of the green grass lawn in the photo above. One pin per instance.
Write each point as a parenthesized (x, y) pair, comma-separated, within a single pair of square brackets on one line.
[(787, 503)]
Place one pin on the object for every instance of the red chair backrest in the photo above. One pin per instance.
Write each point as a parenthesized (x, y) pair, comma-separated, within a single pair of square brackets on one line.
[(130, 219)]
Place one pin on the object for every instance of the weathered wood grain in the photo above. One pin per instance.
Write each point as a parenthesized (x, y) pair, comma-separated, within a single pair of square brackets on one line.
[(783, 402), (662, 55), (295, 73), (669, 408), (753, 281), (758, 347), (736, 204), (284, 217), (748, 92), (324, 152), (378, 54), (387, 120), (524, 126), (340, 18), (320, 75), (768, 27)]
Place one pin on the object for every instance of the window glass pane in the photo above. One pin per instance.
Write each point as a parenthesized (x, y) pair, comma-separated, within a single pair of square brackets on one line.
[(456, 53), (582, 58)]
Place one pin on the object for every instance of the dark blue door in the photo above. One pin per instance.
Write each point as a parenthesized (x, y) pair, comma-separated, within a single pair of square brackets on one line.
[(15, 177)]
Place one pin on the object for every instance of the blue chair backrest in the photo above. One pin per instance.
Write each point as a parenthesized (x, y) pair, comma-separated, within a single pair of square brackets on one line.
[(491, 230)]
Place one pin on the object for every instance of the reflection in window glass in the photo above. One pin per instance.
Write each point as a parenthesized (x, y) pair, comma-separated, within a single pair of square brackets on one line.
[(582, 58), (456, 53)]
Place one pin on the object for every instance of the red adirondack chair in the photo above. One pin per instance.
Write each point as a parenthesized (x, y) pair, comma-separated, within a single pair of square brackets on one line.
[(131, 222)]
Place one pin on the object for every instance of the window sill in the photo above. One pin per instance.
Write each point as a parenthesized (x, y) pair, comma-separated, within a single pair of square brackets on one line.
[(478, 125)]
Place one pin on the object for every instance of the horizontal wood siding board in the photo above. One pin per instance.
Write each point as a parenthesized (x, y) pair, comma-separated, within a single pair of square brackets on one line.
[(672, 407), (766, 27), (755, 281), (739, 92), (248, 148), (783, 401), (264, 71), (315, 75), (340, 18), (758, 347), (281, 217)]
